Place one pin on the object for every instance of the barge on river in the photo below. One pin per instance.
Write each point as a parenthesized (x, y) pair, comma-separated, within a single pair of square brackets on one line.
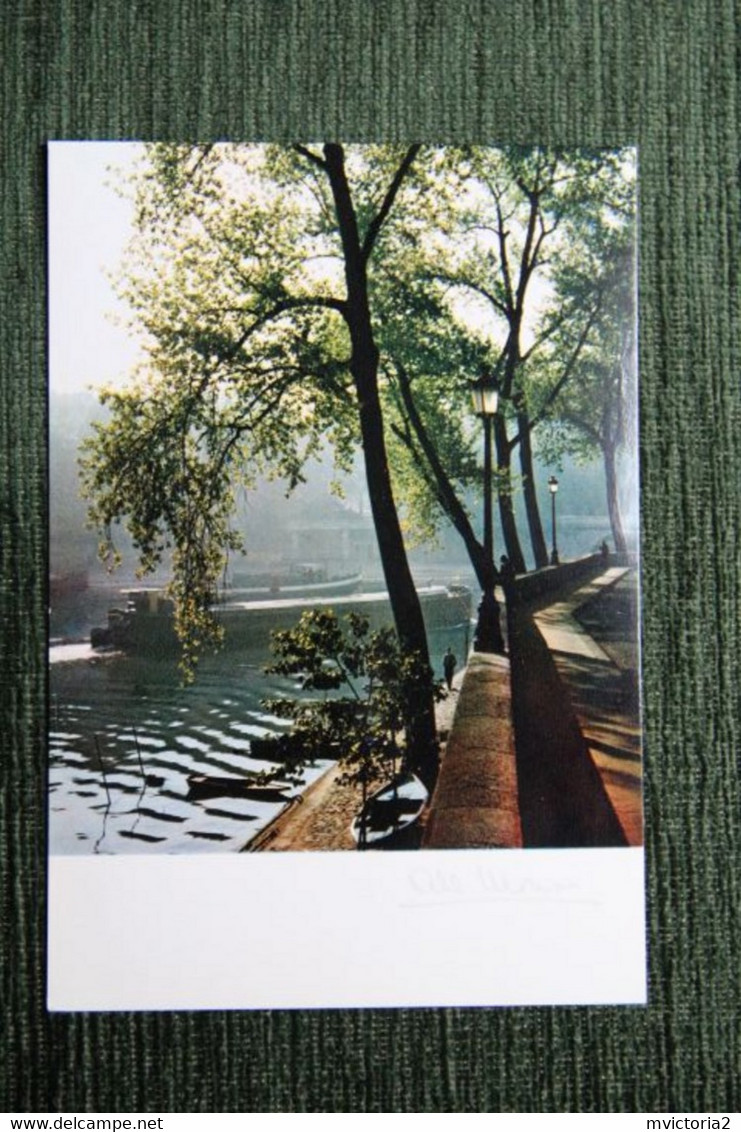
[(145, 624)]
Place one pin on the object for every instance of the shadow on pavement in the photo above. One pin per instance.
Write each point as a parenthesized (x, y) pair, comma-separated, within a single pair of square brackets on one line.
[(563, 803)]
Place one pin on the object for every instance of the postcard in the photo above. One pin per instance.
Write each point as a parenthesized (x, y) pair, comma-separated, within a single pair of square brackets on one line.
[(344, 663)]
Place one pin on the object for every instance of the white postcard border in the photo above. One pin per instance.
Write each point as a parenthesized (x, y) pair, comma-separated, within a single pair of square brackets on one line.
[(317, 930)]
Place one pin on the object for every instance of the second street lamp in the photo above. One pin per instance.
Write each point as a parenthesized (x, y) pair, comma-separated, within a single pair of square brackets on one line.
[(488, 637), (553, 488)]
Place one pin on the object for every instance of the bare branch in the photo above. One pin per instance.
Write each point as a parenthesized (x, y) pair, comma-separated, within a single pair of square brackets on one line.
[(306, 302), (567, 370), (459, 281), (433, 471), (379, 219), (504, 262), (205, 151), (309, 154), (527, 262), (547, 333)]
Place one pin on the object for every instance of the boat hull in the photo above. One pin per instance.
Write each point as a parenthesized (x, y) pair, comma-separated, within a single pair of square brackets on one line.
[(243, 591), (149, 627), (388, 818), (214, 786)]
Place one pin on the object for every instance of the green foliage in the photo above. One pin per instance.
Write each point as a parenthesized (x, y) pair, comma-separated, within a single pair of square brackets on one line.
[(473, 290), (246, 372), (591, 414), (427, 361), (371, 690), (236, 279)]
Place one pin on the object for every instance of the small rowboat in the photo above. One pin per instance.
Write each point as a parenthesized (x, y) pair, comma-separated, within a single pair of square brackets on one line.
[(389, 812), (212, 786)]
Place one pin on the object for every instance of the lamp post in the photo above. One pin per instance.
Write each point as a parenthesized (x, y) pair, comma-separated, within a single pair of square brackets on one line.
[(485, 397), (553, 488)]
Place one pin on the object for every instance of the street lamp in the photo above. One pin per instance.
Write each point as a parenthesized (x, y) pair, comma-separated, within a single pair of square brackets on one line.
[(553, 488), (485, 397)]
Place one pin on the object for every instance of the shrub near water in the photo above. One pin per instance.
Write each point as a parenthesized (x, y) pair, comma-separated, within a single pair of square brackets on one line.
[(368, 689)]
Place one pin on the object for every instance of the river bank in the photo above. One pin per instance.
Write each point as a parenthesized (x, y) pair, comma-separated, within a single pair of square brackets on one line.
[(320, 820)]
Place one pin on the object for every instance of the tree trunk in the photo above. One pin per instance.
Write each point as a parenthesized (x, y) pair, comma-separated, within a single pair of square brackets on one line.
[(613, 502), (537, 538), (476, 553), (443, 488), (405, 603), (506, 509)]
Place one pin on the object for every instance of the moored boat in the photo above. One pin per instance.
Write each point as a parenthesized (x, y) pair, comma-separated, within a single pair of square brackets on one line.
[(388, 814), (302, 581), (218, 786), (146, 622)]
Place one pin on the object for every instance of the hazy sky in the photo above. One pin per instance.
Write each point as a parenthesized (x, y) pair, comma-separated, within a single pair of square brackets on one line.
[(89, 226)]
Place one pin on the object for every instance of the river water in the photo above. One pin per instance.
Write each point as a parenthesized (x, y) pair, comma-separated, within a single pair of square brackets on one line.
[(124, 735)]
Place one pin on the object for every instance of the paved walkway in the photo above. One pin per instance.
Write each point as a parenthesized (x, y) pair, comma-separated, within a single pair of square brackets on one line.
[(562, 631), (533, 757), (592, 636), (563, 801)]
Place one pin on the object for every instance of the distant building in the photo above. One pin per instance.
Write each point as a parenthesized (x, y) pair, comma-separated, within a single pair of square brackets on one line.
[(346, 541)]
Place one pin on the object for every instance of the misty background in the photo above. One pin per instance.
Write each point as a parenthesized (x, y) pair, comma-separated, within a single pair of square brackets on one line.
[(90, 224), (310, 526)]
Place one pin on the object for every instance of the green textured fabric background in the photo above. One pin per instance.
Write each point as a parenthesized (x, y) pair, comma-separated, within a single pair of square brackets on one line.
[(663, 74)]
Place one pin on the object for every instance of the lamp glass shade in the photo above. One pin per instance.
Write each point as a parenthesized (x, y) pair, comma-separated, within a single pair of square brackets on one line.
[(485, 399), (553, 485)]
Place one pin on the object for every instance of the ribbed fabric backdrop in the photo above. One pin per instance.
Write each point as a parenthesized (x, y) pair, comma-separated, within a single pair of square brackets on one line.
[(661, 73)]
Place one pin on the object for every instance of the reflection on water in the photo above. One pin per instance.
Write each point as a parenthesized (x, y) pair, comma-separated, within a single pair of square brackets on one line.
[(125, 735)]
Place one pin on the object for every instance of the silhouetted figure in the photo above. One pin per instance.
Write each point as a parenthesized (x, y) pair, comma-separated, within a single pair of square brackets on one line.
[(449, 663), (604, 550)]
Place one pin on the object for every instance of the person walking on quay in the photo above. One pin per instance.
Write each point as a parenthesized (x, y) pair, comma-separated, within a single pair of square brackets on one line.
[(449, 663)]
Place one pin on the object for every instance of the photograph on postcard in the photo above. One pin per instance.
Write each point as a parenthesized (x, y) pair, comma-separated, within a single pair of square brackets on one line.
[(343, 499)]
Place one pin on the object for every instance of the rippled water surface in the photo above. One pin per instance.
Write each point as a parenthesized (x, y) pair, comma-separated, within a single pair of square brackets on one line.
[(125, 735)]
